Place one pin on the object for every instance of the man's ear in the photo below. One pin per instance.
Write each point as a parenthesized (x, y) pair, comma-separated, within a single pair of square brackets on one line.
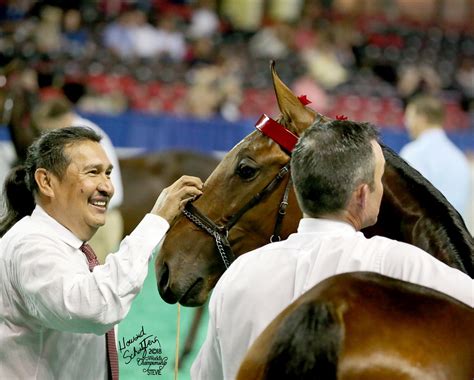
[(362, 195), (43, 179)]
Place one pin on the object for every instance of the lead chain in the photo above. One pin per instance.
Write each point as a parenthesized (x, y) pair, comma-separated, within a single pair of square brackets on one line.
[(221, 250), (211, 232)]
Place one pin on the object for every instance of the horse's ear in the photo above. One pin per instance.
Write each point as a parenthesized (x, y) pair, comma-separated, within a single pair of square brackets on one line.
[(296, 116)]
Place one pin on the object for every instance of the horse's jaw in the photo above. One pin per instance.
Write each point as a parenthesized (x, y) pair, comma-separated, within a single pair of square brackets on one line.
[(183, 277)]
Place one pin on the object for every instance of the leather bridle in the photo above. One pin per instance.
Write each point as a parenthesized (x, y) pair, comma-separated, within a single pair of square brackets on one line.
[(220, 233)]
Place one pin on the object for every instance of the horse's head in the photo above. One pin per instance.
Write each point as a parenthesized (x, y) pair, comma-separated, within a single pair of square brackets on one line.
[(242, 194)]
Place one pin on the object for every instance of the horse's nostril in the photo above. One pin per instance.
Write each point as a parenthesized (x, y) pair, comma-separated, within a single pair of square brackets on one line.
[(164, 278), (164, 285)]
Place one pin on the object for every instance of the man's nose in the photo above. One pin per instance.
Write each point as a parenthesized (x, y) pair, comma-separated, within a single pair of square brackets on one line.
[(106, 185)]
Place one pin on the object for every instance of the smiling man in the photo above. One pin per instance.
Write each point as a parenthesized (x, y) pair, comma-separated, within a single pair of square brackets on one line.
[(84, 190), (60, 113), (56, 302)]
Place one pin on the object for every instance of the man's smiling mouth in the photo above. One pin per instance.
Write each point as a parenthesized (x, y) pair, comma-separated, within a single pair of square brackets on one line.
[(100, 204)]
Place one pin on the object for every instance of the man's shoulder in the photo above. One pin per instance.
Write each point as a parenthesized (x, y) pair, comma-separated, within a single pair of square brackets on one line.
[(384, 244), (20, 228), (395, 247), (413, 148), (27, 229), (261, 255), (21, 233), (383, 240), (257, 264)]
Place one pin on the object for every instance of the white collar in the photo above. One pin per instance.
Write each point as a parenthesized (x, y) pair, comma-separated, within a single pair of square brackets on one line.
[(432, 132), (62, 232), (315, 225)]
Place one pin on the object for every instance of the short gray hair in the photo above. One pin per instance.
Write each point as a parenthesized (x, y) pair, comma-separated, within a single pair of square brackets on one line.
[(329, 161)]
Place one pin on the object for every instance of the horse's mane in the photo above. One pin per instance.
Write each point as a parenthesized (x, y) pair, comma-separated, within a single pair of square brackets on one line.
[(306, 344), (447, 219)]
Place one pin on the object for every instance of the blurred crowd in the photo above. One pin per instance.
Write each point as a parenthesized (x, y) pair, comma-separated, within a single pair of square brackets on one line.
[(211, 57)]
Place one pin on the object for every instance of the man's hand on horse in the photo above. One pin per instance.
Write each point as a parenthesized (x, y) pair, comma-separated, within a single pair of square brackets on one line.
[(173, 198)]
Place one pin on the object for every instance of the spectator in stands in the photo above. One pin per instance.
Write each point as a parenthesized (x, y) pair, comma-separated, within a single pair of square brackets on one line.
[(59, 113), (75, 38), (132, 36), (47, 33), (143, 36), (204, 21), (323, 62), (272, 41), (433, 154), (118, 35), (414, 80), (169, 39), (202, 51), (216, 89)]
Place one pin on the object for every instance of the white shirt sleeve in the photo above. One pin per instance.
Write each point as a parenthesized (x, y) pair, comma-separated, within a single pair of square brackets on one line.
[(409, 263), (61, 293), (208, 363)]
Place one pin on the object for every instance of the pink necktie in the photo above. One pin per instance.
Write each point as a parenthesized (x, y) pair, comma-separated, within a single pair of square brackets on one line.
[(112, 357)]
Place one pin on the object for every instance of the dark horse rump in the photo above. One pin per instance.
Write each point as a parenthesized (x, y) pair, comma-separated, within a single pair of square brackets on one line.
[(366, 326)]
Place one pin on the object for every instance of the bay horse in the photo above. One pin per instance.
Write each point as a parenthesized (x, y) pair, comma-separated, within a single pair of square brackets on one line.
[(248, 201), (341, 329), (144, 177)]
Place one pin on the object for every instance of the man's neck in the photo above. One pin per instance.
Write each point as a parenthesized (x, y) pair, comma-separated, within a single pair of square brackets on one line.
[(83, 234), (428, 128), (344, 216)]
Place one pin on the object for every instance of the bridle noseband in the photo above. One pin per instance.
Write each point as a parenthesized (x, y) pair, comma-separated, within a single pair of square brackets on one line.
[(220, 233)]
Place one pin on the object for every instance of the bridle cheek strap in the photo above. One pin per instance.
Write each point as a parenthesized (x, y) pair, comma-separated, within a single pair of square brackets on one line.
[(287, 142), (277, 132)]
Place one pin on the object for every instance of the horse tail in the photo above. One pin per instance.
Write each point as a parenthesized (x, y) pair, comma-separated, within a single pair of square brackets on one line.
[(19, 200), (306, 345)]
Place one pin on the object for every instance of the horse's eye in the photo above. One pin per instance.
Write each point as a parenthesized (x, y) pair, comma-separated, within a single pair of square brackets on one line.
[(245, 171)]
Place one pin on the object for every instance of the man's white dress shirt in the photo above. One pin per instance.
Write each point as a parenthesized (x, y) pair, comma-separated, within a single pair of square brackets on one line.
[(442, 163), (54, 312), (260, 284)]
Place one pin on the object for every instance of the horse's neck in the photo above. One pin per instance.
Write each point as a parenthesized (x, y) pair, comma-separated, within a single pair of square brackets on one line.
[(415, 212)]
